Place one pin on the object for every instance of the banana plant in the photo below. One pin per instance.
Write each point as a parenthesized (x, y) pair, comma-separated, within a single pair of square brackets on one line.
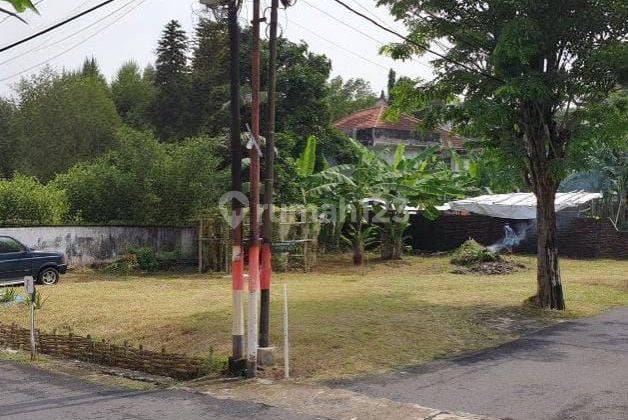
[(387, 189)]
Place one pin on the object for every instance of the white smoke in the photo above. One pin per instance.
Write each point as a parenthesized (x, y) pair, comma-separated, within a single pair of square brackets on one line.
[(511, 238)]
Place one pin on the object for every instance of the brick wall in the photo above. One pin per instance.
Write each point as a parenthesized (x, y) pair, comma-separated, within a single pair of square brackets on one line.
[(577, 237)]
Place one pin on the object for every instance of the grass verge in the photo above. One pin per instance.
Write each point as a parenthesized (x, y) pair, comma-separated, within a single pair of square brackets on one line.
[(344, 321)]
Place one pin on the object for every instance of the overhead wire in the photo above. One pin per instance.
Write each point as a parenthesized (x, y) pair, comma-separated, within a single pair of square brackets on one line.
[(381, 43), (361, 57), (416, 44), (46, 44), (76, 44), (58, 25)]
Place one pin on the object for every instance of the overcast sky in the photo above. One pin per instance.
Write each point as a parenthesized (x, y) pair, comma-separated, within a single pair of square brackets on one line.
[(133, 26)]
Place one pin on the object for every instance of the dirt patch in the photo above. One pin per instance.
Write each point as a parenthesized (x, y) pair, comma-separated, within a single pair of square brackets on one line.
[(503, 266)]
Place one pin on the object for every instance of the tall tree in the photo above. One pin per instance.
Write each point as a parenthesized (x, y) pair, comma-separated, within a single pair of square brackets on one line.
[(133, 95), (523, 70), (171, 110), (7, 142), (392, 81), (210, 83), (62, 120), (346, 97)]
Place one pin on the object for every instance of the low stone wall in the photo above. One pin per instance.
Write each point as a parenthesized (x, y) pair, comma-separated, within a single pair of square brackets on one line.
[(577, 237), (86, 245), (86, 349)]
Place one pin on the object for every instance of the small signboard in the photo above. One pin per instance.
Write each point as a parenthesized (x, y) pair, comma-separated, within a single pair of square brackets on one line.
[(29, 285)]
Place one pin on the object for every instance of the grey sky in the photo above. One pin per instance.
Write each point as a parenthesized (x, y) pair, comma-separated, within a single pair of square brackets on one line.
[(123, 36)]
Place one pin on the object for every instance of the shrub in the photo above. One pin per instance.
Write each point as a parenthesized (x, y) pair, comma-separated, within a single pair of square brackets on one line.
[(168, 260), (123, 266), (8, 295), (471, 252), (24, 200), (146, 258)]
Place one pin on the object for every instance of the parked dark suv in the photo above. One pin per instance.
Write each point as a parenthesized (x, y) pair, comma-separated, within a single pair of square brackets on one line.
[(18, 260)]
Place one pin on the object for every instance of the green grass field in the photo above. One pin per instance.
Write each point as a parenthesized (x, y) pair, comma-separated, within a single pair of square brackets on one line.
[(343, 320)]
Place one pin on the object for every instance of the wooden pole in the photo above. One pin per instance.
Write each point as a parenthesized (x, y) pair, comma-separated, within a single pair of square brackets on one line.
[(254, 175), (237, 259), (269, 157)]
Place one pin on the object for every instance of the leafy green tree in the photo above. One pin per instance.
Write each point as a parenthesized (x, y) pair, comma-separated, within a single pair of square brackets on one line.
[(191, 180), (119, 187), (91, 69), (210, 76), (346, 97), (62, 120), (133, 94), (144, 181), (301, 87), (7, 141), (522, 71), (171, 110), (25, 201)]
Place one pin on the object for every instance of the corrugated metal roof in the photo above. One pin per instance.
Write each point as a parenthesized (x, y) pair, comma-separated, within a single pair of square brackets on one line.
[(518, 205)]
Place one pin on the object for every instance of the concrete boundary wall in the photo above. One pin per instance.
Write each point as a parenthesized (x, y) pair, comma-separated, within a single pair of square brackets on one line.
[(86, 245)]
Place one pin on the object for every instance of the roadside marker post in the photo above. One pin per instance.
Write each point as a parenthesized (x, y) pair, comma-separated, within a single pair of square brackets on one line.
[(29, 286)]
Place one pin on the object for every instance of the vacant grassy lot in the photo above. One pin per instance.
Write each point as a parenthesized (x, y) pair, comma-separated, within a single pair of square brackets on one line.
[(343, 320)]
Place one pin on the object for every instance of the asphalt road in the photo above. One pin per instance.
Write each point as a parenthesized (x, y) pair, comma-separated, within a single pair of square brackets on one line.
[(575, 370), (28, 393)]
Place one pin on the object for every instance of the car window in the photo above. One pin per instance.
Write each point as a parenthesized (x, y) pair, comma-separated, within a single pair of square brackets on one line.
[(9, 245)]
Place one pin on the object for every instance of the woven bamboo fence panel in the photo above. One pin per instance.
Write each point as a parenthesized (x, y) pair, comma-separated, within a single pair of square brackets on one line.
[(76, 347)]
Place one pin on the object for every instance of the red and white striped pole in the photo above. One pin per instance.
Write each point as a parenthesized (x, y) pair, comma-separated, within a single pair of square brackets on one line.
[(254, 243)]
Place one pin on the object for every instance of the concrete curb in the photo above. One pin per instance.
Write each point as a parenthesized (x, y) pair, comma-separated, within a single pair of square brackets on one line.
[(322, 402)]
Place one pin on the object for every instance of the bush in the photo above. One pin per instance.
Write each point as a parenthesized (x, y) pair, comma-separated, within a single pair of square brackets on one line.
[(169, 260), (24, 200), (124, 266), (471, 252), (146, 258), (8, 295)]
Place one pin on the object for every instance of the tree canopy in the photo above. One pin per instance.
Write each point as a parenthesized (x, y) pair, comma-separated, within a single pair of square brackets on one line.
[(518, 73)]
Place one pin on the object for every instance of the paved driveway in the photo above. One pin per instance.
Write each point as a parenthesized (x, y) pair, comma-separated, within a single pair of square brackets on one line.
[(575, 370), (28, 393)]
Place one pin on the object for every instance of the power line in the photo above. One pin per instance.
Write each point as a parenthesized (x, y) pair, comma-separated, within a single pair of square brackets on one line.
[(357, 30), (416, 44), (343, 23), (46, 45), (337, 45), (75, 45), (53, 27)]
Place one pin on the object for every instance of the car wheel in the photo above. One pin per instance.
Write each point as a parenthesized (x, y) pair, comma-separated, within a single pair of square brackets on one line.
[(48, 276)]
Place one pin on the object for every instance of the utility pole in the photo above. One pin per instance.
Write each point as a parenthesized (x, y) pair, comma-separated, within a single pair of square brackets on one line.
[(269, 158), (236, 363), (254, 248)]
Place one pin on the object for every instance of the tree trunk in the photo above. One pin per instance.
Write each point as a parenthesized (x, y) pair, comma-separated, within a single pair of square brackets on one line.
[(358, 249), (386, 247), (397, 247), (549, 286)]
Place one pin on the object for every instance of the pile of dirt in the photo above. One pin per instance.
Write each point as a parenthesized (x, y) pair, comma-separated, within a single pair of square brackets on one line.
[(504, 266), (473, 258)]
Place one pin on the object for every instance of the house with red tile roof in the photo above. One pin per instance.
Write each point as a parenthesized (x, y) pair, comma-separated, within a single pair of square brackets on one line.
[(369, 127)]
